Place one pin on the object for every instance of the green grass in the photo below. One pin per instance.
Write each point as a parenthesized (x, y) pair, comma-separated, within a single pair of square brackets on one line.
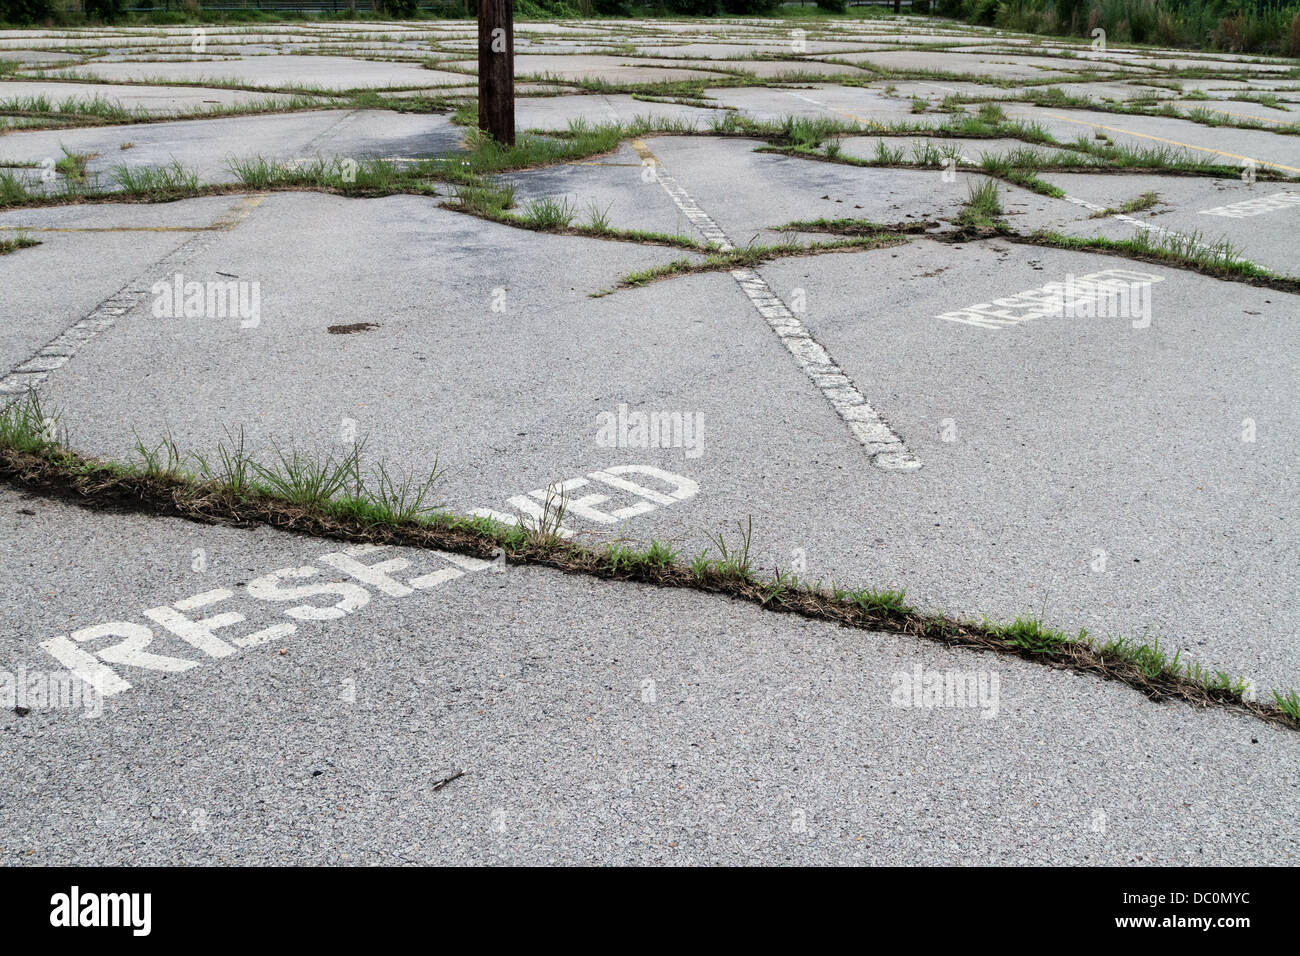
[(42, 112), (1146, 201), (13, 189), (842, 227), (598, 219), (19, 241), (880, 602), (982, 212), (548, 213), (336, 494), (1288, 703), (25, 426), (752, 255), (342, 174), (157, 181), (72, 166), (486, 198), (582, 140), (1187, 250), (1030, 635)]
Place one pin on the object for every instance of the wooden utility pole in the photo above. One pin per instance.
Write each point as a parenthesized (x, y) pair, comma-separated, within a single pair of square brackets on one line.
[(496, 69)]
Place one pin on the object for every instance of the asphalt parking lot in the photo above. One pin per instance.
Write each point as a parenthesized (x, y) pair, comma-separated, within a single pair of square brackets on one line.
[(884, 414)]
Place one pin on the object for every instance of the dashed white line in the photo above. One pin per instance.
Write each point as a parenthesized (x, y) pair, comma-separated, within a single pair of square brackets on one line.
[(56, 353), (885, 446)]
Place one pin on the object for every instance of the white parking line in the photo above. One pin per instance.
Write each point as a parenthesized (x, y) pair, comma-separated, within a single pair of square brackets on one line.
[(56, 353), (1148, 227), (885, 446)]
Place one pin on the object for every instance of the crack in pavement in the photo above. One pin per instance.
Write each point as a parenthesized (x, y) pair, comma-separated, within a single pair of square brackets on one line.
[(868, 427), (1172, 142)]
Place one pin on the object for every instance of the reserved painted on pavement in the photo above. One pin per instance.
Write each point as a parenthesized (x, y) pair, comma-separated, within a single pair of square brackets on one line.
[(1255, 207), (1112, 293), (337, 584)]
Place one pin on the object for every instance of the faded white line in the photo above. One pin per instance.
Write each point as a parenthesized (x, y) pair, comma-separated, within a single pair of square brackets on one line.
[(1148, 227), (56, 353), (885, 446), (1255, 207)]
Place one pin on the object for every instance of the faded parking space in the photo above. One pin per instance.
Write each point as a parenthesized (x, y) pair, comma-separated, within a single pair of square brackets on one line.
[(1129, 473)]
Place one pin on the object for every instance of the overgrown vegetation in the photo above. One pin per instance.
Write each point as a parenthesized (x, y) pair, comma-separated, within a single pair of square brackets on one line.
[(1140, 204), (1218, 258), (339, 496), (19, 241), (982, 213), (1233, 26)]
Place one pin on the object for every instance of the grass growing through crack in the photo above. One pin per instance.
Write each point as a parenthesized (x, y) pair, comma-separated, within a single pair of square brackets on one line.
[(1219, 258), (41, 112), (598, 219), (342, 174), (157, 181), (20, 241), (487, 199), (1146, 201), (26, 427), (336, 496), (857, 227), (72, 166), (982, 213), (753, 255), (548, 213)]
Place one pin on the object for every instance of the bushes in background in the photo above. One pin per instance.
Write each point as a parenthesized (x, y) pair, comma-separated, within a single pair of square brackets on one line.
[(1233, 26)]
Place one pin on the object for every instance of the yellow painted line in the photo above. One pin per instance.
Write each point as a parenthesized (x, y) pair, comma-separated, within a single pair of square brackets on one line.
[(1172, 142), (861, 120), (239, 211), (603, 164), (233, 217), (643, 150)]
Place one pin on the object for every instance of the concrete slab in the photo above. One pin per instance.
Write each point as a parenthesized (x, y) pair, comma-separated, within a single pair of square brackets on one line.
[(1211, 143), (612, 186), (1258, 219), (750, 193), (613, 69), (588, 728), (1131, 477), (208, 146), (992, 64), (151, 99), (863, 105), (312, 72), (556, 112), (84, 257)]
